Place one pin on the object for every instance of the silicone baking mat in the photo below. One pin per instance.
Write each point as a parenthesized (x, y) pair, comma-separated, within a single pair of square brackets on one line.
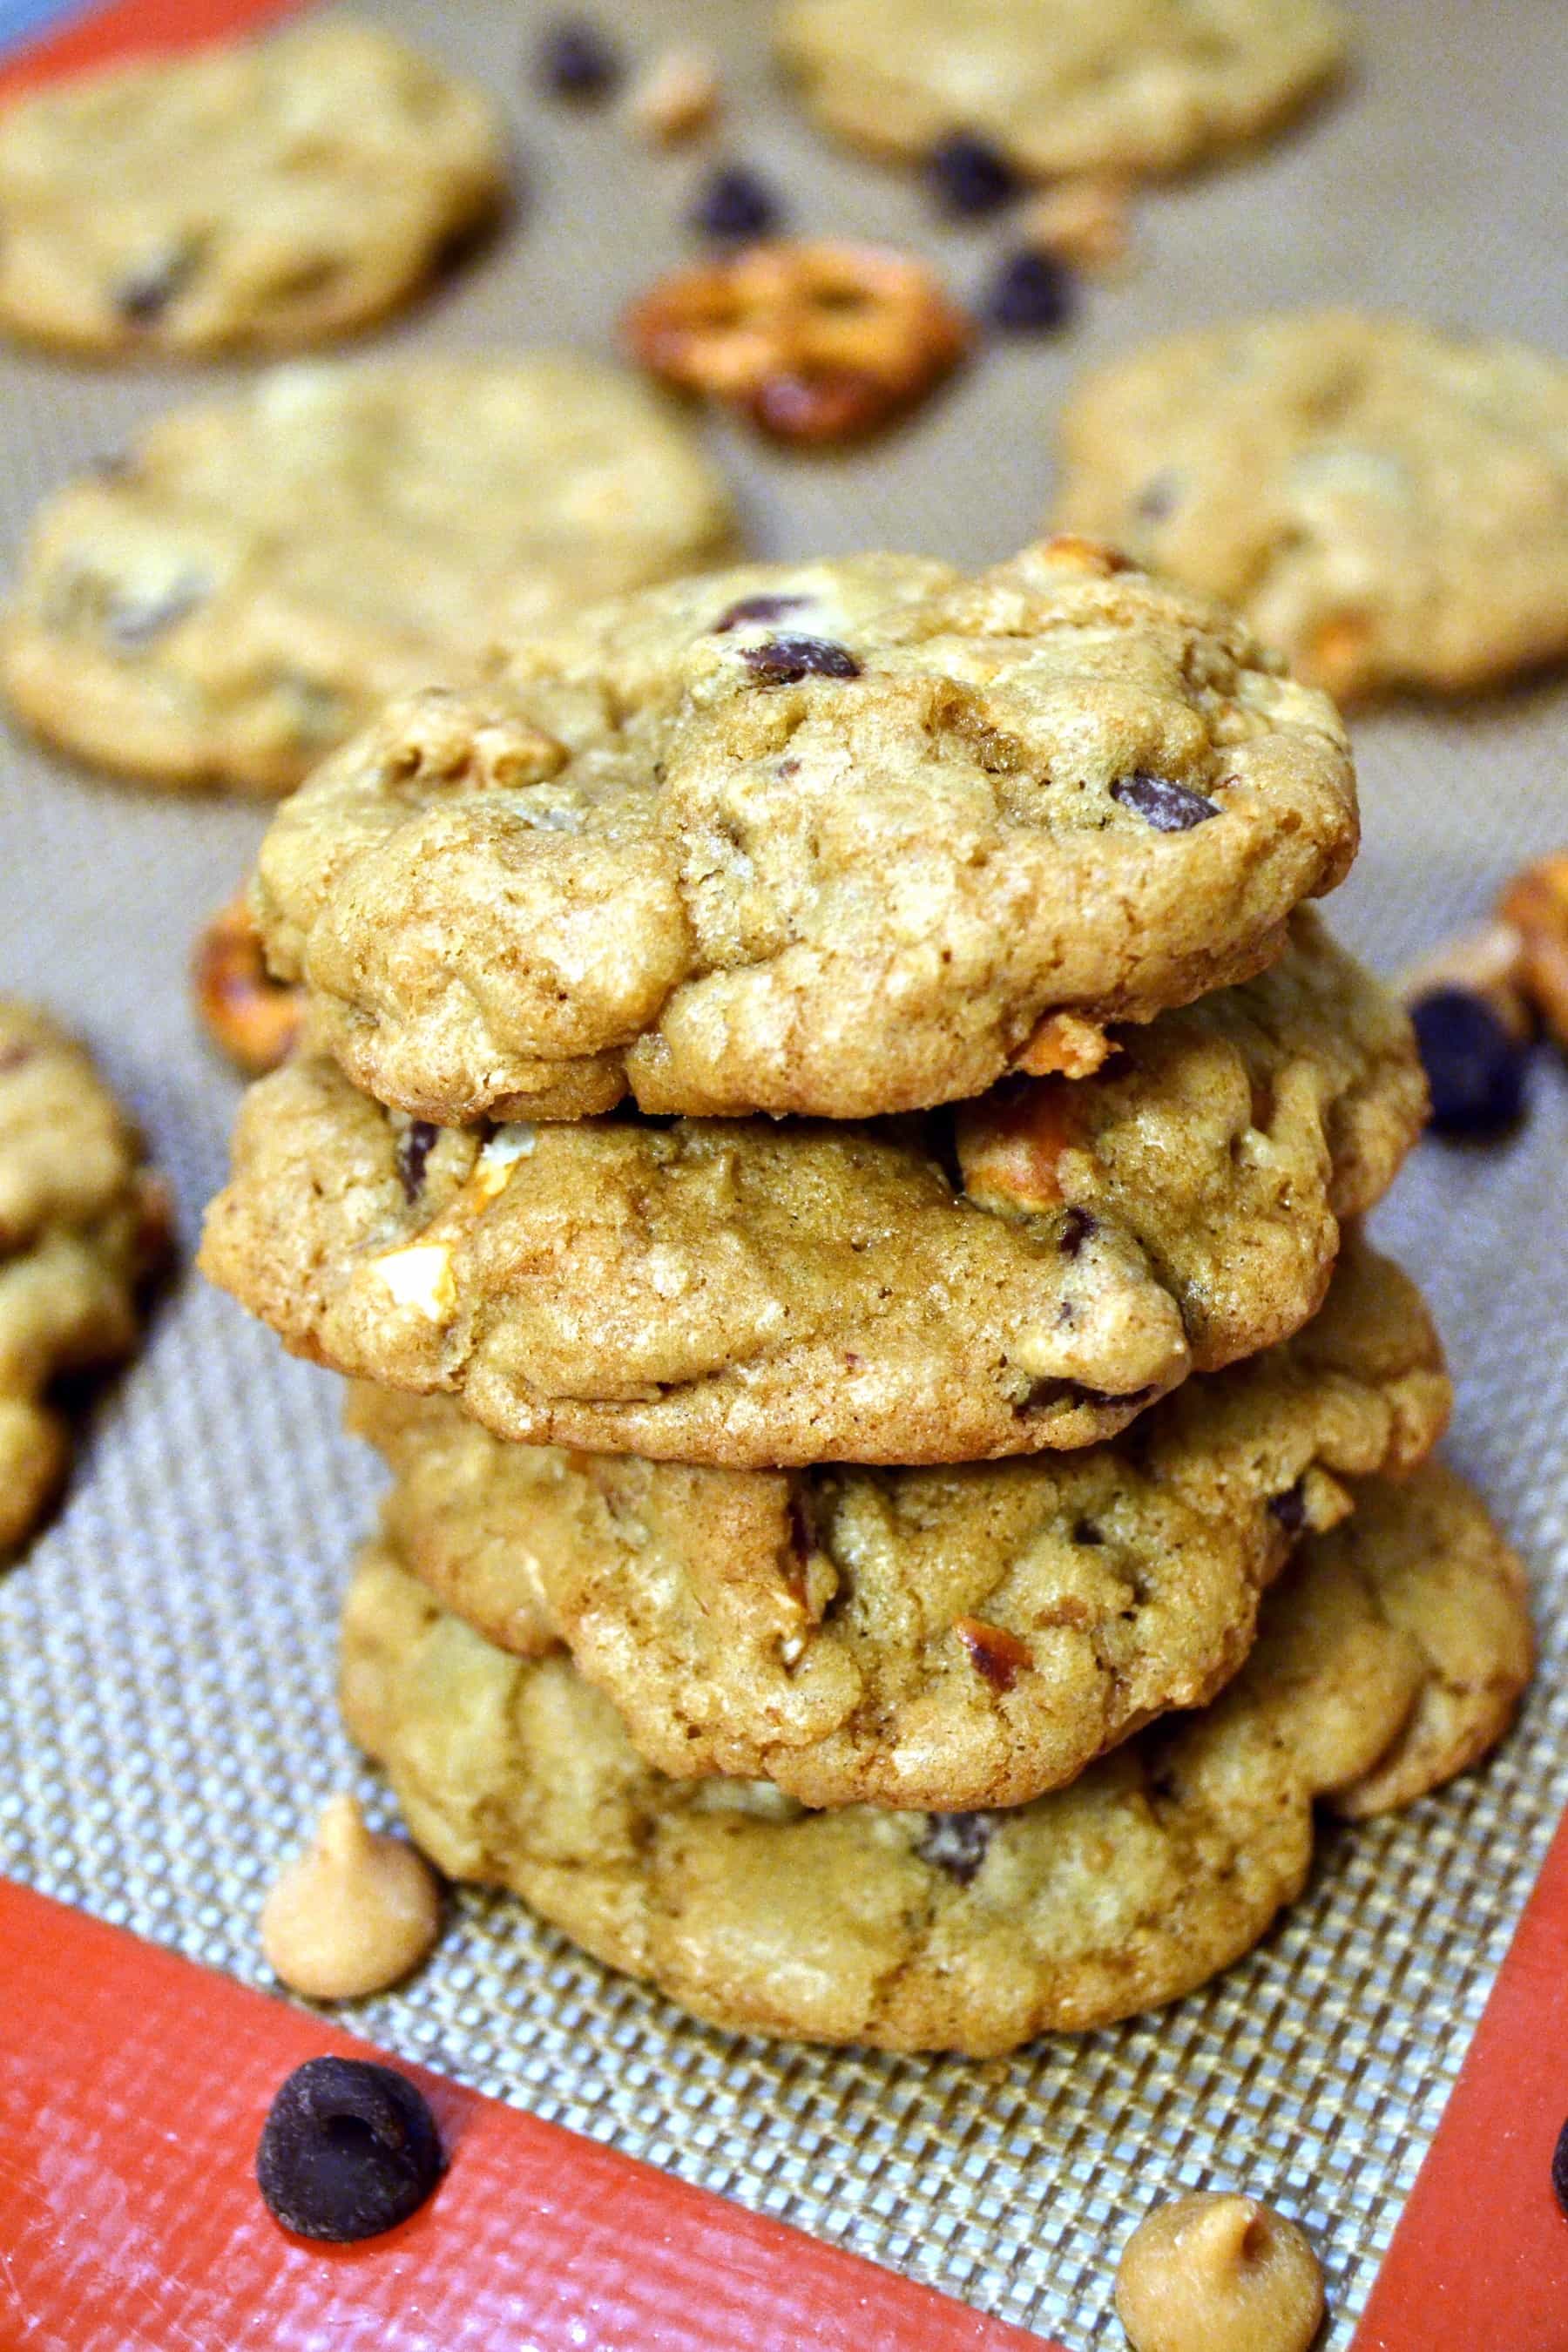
[(166, 1649)]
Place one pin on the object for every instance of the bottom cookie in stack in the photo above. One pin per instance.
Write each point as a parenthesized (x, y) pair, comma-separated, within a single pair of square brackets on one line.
[(1391, 1655)]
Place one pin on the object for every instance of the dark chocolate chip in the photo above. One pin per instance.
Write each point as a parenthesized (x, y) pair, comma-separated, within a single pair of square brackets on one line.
[(1474, 1068), (1086, 1532), (756, 608), (785, 660), (1031, 294), (969, 176), (1559, 2169), (348, 2150), (1077, 1227), (142, 298), (130, 621), (735, 203), (956, 1843), (1168, 807), (576, 61), (414, 1149), (1291, 1508)]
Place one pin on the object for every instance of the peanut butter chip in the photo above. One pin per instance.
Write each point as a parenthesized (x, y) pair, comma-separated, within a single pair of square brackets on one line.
[(1218, 2273), (353, 1914)]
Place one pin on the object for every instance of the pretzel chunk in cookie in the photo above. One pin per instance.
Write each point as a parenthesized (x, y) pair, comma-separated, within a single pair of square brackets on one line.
[(253, 1018), (815, 341)]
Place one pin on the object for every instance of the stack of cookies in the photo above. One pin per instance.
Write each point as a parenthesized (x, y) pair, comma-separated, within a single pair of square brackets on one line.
[(830, 1148)]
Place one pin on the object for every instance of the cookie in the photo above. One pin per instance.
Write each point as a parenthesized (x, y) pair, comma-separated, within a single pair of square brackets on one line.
[(1386, 504), (1027, 1274), (1400, 1641), (82, 1225), (836, 839), (949, 1638), (254, 198), (244, 588), (1060, 86)]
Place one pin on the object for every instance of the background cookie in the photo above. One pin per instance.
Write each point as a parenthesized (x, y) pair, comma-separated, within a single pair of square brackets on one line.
[(831, 838), (82, 1224), (1160, 1865), (1386, 504), (951, 1638), (250, 582), (257, 196), (1060, 85), (752, 1293)]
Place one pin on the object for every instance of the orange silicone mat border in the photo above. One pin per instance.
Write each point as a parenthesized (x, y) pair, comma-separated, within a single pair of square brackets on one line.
[(98, 36), (133, 2085)]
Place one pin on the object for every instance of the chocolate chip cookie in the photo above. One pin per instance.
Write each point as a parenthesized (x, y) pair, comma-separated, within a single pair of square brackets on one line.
[(228, 601), (258, 196), (836, 839), (1386, 503), (1391, 1656), (1028, 1274), (82, 1225), (1060, 86), (950, 1638)]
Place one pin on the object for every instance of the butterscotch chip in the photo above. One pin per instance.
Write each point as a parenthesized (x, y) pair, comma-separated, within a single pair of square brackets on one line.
[(1535, 905), (1156, 1868), (251, 1017), (829, 839), (678, 97), (1218, 2273), (1025, 1275), (958, 1638), (254, 197), (1083, 222), (82, 1226), (1386, 503), (351, 1914), (814, 341), (1488, 961)]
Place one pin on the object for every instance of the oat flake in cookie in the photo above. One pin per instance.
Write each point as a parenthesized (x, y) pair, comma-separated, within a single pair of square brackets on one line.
[(259, 197), (1028, 1274), (838, 839), (82, 1225), (954, 1638), (1392, 1656), (1386, 503), (239, 591), (1060, 86)]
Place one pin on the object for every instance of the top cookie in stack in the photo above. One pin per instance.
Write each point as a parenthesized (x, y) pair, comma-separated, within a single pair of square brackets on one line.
[(990, 1080)]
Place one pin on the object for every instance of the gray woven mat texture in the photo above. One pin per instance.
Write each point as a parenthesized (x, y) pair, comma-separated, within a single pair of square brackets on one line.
[(167, 1650)]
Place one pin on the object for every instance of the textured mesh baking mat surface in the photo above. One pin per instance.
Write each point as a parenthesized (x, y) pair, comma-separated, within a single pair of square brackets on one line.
[(167, 1650)]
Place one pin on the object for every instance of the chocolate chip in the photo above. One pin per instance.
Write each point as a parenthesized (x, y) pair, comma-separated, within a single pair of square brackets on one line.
[(1086, 1532), (1559, 2169), (756, 608), (1168, 807), (785, 660), (1157, 498), (414, 1145), (132, 621), (956, 1843), (1077, 1227), (1474, 1068), (994, 1652), (576, 61), (144, 296), (1291, 1508), (1031, 294), (968, 175), (735, 203), (348, 2150)]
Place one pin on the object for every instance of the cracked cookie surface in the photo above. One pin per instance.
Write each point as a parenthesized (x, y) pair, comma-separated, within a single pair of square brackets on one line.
[(258, 574), (1060, 86), (82, 1225), (256, 196), (1025, 1275), (1386, 503), (949, 1638), (833, 839), (1396, 1646)]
